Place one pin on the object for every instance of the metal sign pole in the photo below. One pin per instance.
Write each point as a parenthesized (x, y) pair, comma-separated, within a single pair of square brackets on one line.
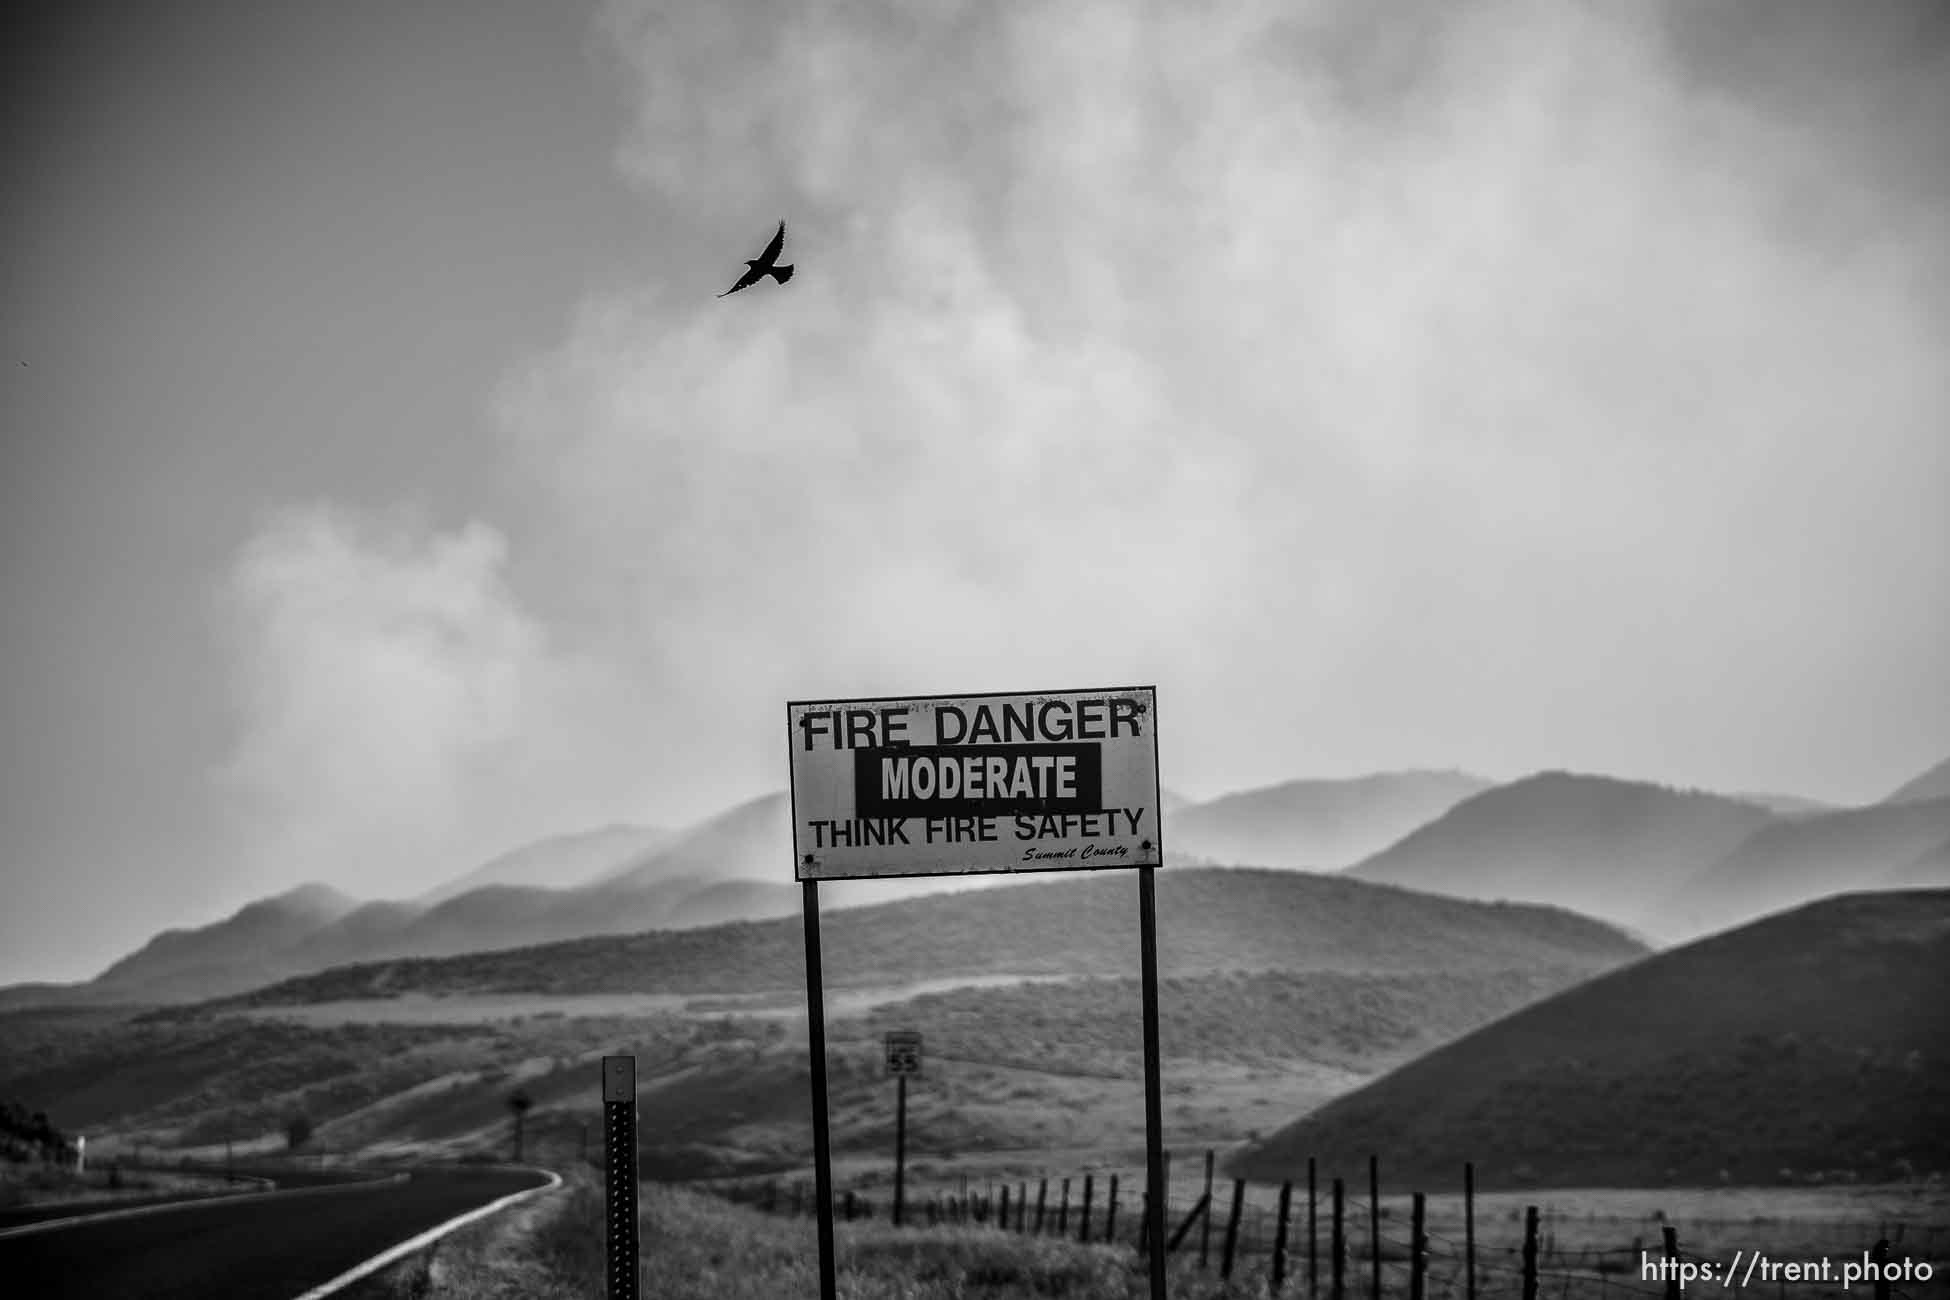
[(900, 1147), (822, 1153), (1154, 1110), (619, 1177)]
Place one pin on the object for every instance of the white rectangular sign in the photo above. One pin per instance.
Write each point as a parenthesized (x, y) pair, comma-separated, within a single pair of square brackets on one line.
[(948, 785), (903, 1052)]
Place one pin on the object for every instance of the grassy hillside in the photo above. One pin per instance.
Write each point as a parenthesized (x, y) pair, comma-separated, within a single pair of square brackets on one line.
[(1320, 825), (1600, 846), (1208, 920), (1279, 989), (1806, 858), (1008, 1069), (1814, 1044)]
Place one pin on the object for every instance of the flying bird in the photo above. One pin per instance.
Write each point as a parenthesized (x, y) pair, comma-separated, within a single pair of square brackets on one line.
[(763, 265)]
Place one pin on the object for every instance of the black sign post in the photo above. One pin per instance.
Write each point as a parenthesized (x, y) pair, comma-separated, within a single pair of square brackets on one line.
[(822, 1150), (619, 1176), (1154, 1108), (903, 1059)]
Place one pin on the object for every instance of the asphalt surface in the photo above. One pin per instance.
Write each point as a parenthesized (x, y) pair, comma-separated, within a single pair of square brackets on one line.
[(17, 1215), (274, 1247)]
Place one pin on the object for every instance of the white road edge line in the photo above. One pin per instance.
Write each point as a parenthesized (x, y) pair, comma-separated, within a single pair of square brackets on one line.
[(137, 1211), (426, 1238)]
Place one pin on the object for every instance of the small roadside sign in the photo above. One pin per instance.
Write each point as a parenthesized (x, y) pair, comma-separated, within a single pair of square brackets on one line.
[(903, 1052)]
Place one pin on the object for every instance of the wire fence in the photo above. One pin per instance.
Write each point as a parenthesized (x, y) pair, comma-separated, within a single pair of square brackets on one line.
[(1371, 1252)]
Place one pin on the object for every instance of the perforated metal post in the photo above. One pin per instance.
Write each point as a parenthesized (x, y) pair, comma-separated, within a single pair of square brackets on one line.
[(619, 1176)]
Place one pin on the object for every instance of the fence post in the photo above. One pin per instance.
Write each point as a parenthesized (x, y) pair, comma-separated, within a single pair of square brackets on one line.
[(1063, 1211), (1338, 1247), (1205, 1229), (1671, 1236), (1110, 1212), (1022, 1205), (1042, 1194), (1002, 1220), (1083, 1217), (1879, 1254), (1469, 1229), (1279, 1236), (1232, 1225), (1374, 1223), (1419, 1248), (1313, 1233), (1530, 1252)]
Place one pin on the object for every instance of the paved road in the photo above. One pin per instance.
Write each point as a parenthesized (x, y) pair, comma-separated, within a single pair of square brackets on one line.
[(263, 1248)]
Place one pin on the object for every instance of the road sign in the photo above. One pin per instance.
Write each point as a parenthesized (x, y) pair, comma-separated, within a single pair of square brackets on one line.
[(946, 785), (1056, 781), (903, 1052)]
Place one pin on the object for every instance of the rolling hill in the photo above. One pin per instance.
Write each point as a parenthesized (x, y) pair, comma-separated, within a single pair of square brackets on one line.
[(1611, 849), (1933, 784), (1804, 858), (1318, 825), (1280, 987), (1806, 1046), (1208, 920)]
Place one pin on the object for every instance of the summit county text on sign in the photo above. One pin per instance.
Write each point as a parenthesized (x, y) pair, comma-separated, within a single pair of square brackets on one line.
[(1056, 781)]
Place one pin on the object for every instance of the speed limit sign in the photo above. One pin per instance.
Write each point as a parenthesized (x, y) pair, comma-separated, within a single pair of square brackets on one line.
[(903, 1052)]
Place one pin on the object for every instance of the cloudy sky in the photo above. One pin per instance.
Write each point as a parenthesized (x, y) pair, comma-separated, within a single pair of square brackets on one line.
[(1502, 386)]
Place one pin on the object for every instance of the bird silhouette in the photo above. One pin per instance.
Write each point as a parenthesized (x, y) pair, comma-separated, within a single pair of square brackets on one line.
[(764, 264)]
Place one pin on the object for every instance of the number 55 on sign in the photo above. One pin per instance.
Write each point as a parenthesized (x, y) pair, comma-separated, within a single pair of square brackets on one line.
[(903, 1052)]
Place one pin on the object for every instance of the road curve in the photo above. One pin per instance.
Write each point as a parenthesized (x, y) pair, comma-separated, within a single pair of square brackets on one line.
[(253, 1248)]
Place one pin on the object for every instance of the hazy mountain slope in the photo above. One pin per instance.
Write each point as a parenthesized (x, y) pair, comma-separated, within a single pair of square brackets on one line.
[(751, 841), (1792, 805), (560, 861), (1604, 847), (366, 929), (1817, 1040), (735, 900), (1208, 920), (1929, 871), (253, 934), (1804, 858), (1933, 784), (1319, 825)]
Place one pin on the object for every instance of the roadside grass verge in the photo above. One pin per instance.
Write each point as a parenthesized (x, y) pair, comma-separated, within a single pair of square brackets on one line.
[(697, 1247)]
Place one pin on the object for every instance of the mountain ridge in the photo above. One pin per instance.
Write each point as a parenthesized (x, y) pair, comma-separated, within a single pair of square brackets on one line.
[(1596, 844)]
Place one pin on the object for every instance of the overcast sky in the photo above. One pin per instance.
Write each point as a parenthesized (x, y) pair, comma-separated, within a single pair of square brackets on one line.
[(1500, 386)]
